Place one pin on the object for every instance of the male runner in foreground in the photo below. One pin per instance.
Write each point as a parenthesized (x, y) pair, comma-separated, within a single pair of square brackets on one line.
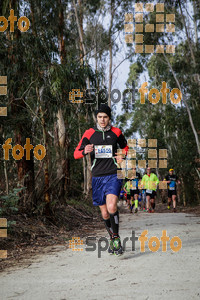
[(149, 183), (100, 142), (171, 183)]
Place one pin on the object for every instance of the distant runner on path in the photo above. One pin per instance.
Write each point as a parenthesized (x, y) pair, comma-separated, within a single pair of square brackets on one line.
[(100, 142), (171, 184), (149, 183), (127, 188), (134, 189)]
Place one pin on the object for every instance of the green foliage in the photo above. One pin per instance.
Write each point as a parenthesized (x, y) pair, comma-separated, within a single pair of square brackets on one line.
[(9, 203)]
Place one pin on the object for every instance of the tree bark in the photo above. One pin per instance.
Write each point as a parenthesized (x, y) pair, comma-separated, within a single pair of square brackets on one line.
[(47, 209), (6, 177), (63, 168), (196, 76), (88, 177), (25, 168), (110, 54)]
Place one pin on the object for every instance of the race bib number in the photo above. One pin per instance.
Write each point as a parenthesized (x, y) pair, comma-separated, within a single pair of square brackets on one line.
[(172, 188), (149, 191), (103, 151), (133, 185)]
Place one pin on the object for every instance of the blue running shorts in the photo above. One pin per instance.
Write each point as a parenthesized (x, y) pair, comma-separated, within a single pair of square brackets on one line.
[(104, 185)]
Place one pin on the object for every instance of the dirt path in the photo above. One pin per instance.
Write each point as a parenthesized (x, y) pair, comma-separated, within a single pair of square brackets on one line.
[(67, 274)]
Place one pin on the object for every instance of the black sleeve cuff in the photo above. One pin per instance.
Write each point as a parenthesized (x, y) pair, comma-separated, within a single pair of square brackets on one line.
[(83, 153)]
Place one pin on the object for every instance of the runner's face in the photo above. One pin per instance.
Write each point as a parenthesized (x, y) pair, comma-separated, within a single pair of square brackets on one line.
[(171, 173), (148, 170), (103, 119)]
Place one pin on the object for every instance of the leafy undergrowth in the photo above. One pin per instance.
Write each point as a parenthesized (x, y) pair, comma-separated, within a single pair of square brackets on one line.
[(30, 235)]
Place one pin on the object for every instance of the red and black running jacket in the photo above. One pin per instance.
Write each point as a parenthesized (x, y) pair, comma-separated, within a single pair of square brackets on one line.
[(102, 166)]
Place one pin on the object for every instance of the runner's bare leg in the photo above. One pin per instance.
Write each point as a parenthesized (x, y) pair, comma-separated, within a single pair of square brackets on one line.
[(174, 201), (147, 202)]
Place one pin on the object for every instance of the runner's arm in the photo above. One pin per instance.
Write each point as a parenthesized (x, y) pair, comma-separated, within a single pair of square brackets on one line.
[(79, 151), (125, 186), (157, 180), (140, 184), (154, 183), (166, 179), (123, 145), (122, 142)]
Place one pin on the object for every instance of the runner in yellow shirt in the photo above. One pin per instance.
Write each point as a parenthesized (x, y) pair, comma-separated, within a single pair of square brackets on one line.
[(149, 183)]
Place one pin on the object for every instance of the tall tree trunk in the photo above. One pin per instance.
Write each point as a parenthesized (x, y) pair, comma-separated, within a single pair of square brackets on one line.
[(4, 163), (110, 53), (32, 13), (63, 162), (47, 209), (88, 159), (5, 167), (195, 22), (63, 168), (81, 29), (196, 75), (6, 177), (25, 168), (61, 37), (183, 190)]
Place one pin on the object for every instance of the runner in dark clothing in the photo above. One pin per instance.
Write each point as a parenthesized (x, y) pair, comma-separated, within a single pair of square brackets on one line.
[(101, 142), (135, 190), (171, 184)]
